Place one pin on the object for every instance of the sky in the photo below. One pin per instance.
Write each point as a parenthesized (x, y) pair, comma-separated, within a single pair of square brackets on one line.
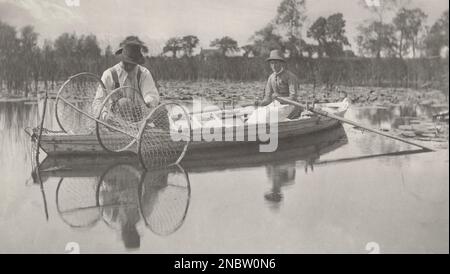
[(157, 20)]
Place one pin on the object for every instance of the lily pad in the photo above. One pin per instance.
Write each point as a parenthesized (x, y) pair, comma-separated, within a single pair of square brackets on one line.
[(408, 134), (405, 127)]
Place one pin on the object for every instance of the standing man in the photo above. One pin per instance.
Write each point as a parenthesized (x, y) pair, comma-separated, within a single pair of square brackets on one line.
[(129, 72), (281, 83)]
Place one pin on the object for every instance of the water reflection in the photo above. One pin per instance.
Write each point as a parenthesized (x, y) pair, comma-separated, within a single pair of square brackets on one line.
[(109, 195), (305, 148), (394, 116), (280, 175), (122, 197), (119, 193)]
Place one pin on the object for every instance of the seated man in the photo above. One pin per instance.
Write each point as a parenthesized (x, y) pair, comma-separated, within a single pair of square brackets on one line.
[(281, 83), (128, 72)]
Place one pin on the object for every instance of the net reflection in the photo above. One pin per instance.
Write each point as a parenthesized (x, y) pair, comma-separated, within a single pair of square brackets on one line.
[(124, 196), (165, 200), (76, 202), (119, 193)]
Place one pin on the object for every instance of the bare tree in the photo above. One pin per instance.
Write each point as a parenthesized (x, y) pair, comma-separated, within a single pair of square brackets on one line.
[(189, 43), (330, 35), (437, 37), (225, 45), (291, 15), (408, 23), (377, 39), (266, 40), (173, 45), (29, 52)]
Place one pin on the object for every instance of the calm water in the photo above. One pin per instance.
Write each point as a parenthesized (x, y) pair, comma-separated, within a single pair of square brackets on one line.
[(309, 197)]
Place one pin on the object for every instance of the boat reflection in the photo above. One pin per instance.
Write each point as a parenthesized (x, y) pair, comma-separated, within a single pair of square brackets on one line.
[(305, 148), (117, 191), (123, 196)]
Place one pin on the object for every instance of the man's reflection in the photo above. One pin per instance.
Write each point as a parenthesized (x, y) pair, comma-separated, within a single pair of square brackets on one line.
[(124, 197), (118, 196), (280, 175)]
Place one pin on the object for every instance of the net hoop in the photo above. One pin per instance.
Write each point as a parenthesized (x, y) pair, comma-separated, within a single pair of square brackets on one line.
[(98, 125), (58, 96), (148, 119)]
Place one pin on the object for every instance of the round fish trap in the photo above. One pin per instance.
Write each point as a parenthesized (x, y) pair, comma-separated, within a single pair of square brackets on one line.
[(74, 100), (122, 113), (164, 136)]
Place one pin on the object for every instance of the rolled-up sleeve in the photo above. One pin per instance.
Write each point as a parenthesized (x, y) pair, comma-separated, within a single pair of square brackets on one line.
[(149, 90), (100, 94)]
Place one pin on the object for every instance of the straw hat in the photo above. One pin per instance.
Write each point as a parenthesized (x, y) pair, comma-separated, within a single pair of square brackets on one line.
[(130, 52), (276, 55)]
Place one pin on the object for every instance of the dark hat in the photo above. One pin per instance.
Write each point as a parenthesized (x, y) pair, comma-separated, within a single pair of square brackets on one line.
[(130, 52), (276, 55)]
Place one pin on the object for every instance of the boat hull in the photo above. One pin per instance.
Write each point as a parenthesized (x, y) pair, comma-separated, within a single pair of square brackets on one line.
[(69, 144), (305, 147)]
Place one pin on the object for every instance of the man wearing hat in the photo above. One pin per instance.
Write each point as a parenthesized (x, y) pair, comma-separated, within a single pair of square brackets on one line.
[(281, 83), (129, 72)]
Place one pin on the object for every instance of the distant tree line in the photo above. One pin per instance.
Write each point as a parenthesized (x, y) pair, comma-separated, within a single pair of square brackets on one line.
[(405, 35), (27, 67), (382, 47)]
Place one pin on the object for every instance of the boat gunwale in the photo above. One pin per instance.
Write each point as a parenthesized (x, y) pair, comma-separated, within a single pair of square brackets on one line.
[(88, 143), (296, 122)]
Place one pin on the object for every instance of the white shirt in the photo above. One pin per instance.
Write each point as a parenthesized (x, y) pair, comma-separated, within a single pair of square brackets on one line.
[(147, 85)]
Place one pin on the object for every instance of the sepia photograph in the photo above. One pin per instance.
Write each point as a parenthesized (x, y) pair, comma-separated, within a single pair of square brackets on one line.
[(224, 127)]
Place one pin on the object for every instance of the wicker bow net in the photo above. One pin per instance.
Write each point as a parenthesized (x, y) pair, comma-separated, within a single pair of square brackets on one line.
[(74, 107), (164, 136), (122, 120)]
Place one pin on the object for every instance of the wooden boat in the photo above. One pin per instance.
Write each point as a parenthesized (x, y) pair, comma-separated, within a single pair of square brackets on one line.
[(306, 147), (88, 144)]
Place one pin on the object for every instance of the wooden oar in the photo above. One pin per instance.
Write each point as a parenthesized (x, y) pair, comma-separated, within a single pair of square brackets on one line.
[(333, 116)]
